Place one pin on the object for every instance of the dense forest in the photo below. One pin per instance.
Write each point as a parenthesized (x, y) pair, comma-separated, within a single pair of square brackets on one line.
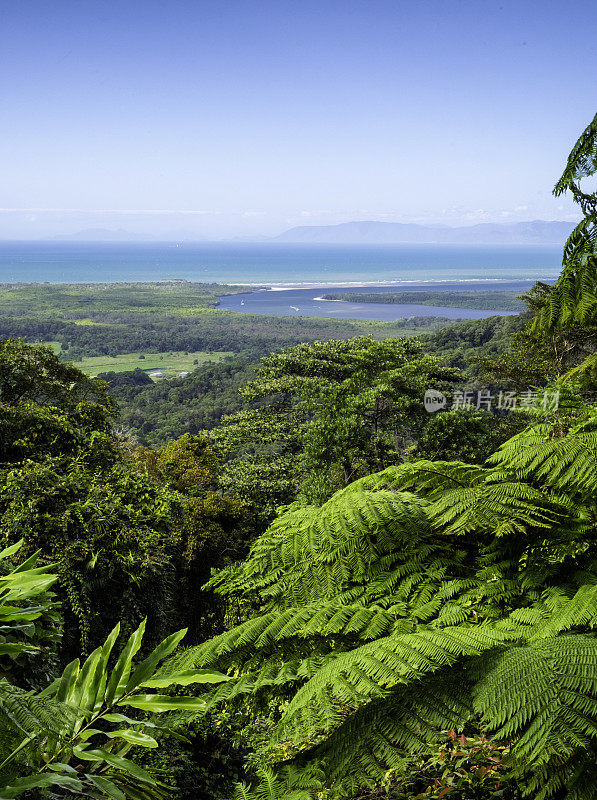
[(88, 320), (495, 301), (157, 412), (283, 577)]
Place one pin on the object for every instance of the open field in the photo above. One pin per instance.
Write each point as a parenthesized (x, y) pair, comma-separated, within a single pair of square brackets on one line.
[(170, 363)]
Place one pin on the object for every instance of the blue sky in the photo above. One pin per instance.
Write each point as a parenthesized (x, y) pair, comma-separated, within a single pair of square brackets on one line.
[(239, 118)]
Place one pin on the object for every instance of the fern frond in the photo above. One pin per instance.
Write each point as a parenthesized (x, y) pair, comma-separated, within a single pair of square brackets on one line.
[(428, 478), (579, 612), (541, 696), (31, 714), (565, 463), (574, 780), (353, 679), (582, 160), (407, 721), (505, 508), (264, 635), (313, 553), (287, 783)]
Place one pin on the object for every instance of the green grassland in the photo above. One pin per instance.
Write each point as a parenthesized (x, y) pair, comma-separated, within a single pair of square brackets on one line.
[(169, 363)]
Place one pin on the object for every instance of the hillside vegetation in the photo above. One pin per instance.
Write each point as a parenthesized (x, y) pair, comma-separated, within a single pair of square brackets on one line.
[(287, 579)]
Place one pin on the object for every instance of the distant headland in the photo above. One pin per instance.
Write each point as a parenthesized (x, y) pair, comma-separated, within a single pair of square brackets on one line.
[(536, 232), (365, 232)]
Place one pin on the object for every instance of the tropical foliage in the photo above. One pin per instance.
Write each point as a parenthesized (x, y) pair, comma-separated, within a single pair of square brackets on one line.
[(436, 601), (430, 596), (67, 490), (377, 601), (73, 738), (338, 409), (29, 621), (215, 526)]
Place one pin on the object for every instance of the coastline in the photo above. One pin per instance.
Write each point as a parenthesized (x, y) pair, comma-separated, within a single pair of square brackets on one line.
[(283, 287), (299, 301)]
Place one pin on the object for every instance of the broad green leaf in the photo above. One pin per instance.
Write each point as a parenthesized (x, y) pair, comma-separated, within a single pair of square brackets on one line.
[(25, 585), (80, 694), (123, 718), (185, 678), (21, 626), (147, 667), (14, 648), (116, 761), (28, 568), (39, 781), (158, 703), (134, 737), (88, 733), (29, 563), (12, 549), (120, 674), (58, 766), (78, 749), (67, 680), (8, 613), (94, 695), (106, 786)]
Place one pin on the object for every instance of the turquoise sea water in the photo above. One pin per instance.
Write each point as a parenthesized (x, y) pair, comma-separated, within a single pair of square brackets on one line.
[(297, 269), (269, 264)]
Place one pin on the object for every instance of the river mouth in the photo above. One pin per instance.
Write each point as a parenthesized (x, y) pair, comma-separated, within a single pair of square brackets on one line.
[(292, 301)]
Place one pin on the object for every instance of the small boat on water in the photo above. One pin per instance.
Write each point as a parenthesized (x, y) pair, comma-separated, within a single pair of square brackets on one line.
[(242, 302), (295, 308)]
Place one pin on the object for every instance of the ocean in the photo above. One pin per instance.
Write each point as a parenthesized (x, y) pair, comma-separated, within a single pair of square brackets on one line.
[(271, 264), (303, 272)]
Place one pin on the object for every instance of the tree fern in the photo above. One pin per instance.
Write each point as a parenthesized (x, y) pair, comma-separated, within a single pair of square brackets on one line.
[(368, 672), (438, 595), (386, 729), (553, 711), (310, 553), (427, 596), (573, 298)]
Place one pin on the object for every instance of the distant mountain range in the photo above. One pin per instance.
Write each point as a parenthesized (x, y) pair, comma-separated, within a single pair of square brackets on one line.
[(537, 232)]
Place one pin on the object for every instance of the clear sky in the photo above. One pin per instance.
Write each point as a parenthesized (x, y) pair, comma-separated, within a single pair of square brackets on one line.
[(236, 117)]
